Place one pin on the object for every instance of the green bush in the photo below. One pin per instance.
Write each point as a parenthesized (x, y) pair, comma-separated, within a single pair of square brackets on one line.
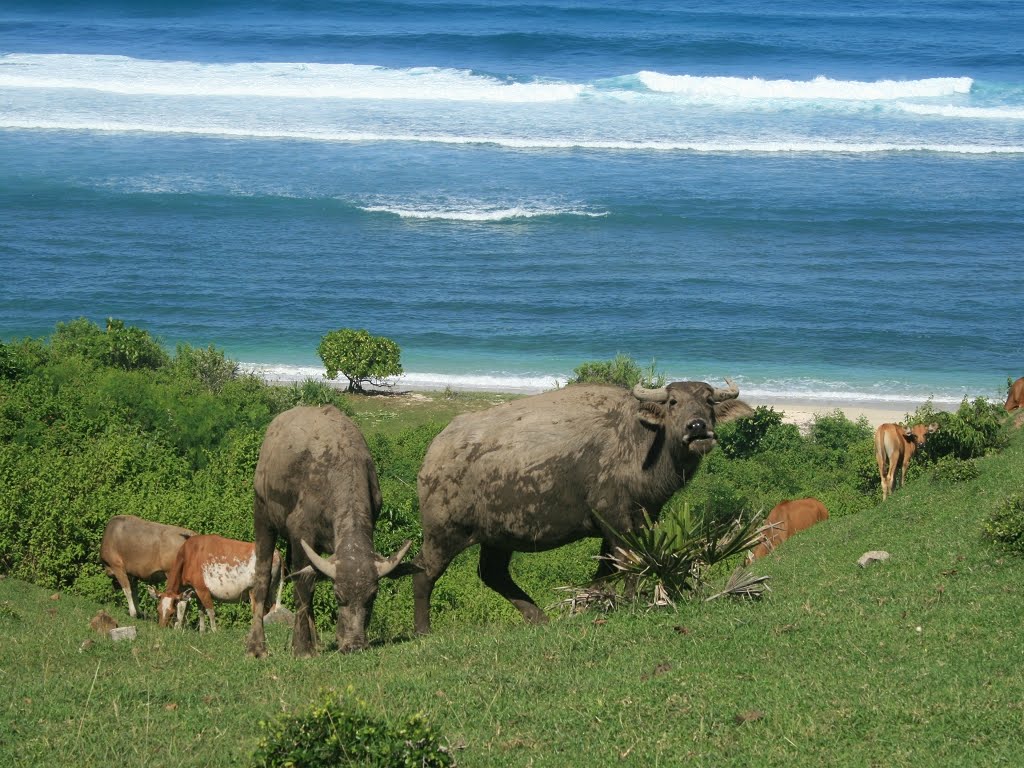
[(344, 733), (973, 430), (621, 371), (949, 469), (835, 432), (318, 392), (120, 345), (742, 438), (11, 367), (359, 357), (208, 367), (1006, 524)]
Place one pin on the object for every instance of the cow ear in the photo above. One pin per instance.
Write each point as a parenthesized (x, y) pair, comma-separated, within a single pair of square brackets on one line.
[(152, 592), (651, 415)]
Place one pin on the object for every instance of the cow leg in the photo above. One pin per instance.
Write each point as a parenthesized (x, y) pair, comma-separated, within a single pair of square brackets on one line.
[(256, 643), (433, 559), (880, 458), (494, 572)]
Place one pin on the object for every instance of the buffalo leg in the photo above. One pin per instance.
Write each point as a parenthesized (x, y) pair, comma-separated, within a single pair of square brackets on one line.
[(433, 559), (304, 639), (605, 568), (256, 644), (494, 572)]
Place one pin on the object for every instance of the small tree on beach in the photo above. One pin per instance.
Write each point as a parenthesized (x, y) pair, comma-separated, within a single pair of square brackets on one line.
[(359, 357)]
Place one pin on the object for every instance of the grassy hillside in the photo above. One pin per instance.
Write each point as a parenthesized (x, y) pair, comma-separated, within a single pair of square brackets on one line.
[(911, 662)]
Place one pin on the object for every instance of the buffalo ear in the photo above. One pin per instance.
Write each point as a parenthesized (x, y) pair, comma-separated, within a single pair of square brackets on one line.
[(651, 415)]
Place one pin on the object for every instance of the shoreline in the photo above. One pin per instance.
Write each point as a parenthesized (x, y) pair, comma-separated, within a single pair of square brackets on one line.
[(800, 411)]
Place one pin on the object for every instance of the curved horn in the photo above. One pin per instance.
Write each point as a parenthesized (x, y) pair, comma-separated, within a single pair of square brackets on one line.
[(325, 566), (387, 565), (730, 393), (659, 395)]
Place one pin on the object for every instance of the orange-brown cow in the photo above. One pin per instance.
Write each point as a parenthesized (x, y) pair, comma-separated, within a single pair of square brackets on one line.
[(1015, 397), (215, 568), (788, 517), (895, 446)]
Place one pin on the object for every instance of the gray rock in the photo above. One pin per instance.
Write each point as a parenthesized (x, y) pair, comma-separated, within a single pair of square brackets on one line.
[(122, 633), (872, 557), (280, 616)]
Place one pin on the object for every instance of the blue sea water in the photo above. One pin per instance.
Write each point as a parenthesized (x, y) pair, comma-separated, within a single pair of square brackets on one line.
[(820, 199)]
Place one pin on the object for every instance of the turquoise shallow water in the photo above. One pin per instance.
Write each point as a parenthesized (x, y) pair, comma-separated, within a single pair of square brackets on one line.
[(789, 196)]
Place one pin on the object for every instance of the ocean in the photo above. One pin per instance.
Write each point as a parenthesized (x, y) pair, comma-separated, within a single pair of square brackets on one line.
[(822, 200)]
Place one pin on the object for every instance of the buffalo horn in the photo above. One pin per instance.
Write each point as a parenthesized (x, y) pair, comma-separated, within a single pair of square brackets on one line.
[(659, 395), (322, 564), (386, 565), (730, 393), (329, 568)]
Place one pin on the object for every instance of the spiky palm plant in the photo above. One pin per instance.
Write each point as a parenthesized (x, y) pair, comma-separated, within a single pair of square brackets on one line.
[(664, 561)]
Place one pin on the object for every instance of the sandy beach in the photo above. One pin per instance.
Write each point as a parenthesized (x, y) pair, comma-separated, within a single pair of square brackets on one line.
[(803, 412)]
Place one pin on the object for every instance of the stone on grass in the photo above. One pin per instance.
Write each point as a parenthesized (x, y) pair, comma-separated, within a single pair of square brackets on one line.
[(872, 557), (122, 633)]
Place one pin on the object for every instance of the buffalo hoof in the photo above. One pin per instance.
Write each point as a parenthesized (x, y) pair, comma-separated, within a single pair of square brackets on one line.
[(257, 652)]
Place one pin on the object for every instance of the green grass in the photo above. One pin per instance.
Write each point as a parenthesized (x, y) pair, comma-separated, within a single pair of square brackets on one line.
[(916, 661)]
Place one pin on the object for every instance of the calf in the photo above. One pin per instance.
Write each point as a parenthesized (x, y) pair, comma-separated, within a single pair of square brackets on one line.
[(787, 518), (216, 569), (1015, 395), (134, 548), (895, 446)]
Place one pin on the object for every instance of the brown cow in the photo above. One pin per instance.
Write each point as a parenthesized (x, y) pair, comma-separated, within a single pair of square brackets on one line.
[(1015, 395), (134, 548), (215, 568), (788, 517), (895, 446)]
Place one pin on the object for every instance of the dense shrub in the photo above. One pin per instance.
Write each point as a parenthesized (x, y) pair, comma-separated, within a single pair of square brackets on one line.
[(208, 367), (973, 430), (949, 469), (835, 432), (345, 733), (742, 438), (621, 371), (126, 347), (359, 357), (1006, 524)]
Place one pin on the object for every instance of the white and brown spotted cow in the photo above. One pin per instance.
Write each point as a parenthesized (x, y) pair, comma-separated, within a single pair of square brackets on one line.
[(214, 568)]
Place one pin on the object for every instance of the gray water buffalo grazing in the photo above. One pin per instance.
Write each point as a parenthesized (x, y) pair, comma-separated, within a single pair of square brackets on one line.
[(549, 469), (316, 483), (133, 549)]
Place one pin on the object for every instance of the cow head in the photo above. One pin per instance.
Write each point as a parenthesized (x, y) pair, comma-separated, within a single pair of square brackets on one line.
[(171, 604), (685, 410), (355, 587), (919, 434)]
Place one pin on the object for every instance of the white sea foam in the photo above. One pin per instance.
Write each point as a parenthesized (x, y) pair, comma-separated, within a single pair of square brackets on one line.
[(713, 88), (767, 390), (771, 147), (313, 80), (124, 75), (479, 212)]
